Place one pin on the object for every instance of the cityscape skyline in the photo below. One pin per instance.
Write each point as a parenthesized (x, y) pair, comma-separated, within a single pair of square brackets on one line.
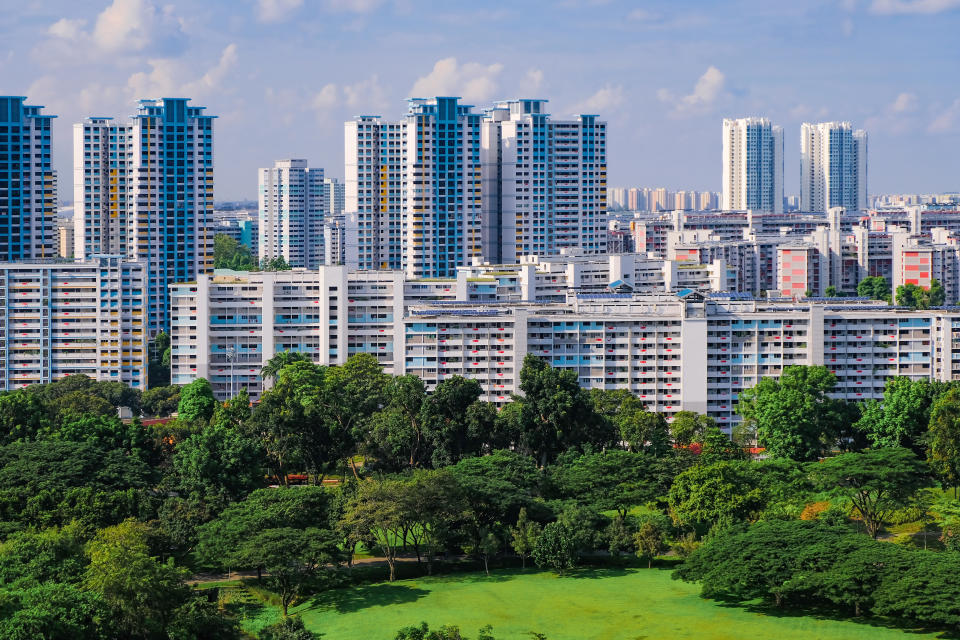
[(92, 58)]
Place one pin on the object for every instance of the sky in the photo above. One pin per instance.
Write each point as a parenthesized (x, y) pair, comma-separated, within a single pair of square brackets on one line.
[(283, 75)]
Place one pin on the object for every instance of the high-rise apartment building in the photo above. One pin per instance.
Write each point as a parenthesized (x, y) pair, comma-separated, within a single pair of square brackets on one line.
[(291, 196), (144, 189), (333, 197), (833, 166), (28, 184), (412, 189), (544, 182), (418, 192), (752, 165)]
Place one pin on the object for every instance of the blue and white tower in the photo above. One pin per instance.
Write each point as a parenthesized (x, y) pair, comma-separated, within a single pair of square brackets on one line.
[(833, 166), (752, 165), (28, 184)]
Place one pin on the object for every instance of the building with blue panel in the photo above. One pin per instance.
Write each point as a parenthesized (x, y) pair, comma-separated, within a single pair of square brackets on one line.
[(144, 189), (28, 184), (833, 166), (752, 165)]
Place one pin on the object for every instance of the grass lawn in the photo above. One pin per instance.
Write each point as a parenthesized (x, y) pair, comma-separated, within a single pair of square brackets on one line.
[(605, 604)]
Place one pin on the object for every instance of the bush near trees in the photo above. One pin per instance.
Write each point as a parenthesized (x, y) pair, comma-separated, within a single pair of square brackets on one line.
[(101, 520)]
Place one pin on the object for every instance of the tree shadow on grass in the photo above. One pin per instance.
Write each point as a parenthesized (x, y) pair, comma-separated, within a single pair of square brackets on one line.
[(361, 597), (837, 615)]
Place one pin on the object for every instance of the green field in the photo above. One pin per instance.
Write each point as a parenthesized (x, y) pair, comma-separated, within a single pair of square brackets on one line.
[(608, 604)]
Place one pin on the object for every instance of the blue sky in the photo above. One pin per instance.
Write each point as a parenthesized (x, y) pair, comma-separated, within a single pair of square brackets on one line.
[(283, 75)]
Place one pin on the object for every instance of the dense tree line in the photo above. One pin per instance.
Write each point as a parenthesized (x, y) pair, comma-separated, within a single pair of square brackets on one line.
[(107, 518)]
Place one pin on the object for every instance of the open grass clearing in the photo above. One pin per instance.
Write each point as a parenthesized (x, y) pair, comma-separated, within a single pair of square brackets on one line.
[(600, 603)]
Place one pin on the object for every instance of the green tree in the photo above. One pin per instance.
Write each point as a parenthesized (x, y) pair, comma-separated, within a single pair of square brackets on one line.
[(280, 360), (228, 253), (831, 292), (619, 536), (446, 632), (22, 416), (765, 559), (721, 493), (160, 401), (875, 288), (397, 436), (523, 537), (717, 446), (445, 418), (555, 412), (944, 438), (31, 558), (688, 427), (555, 548), (288, 628), (794, 416), (650, 541), (431, 503), (291, 557), (158, 363), (613, 479), (376, 514), (197, 403), (645, 431), (876, 481), (54, 611), (901, 420), (278, 263), (925, 593), (200, 619), (141, 591), (219, 464), (221, 541)]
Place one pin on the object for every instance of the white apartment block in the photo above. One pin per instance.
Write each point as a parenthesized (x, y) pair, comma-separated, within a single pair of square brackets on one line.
[(544, 182), (682, 351), (65, 318), (292, 199), (333, 197), (833, 166), (752, 165)]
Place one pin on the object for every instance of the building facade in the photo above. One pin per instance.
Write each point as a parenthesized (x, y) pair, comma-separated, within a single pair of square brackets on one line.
[(28, 183), (833, 166), (292, 199), (67, 318), (144, 189), (752, 165), (544, 182)]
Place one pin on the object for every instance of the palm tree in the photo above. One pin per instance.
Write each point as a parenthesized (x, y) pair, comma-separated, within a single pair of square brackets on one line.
[(279, 361)]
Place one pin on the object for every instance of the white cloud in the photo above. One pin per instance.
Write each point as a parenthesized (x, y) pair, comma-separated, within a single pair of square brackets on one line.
[(892, 7), (948, 121), (897, 117), (326, 98), (365, 95), (166, 78), (125, 26), (67, 29), (472, 81), (276, 10), (706, 93), (133, 25), (905, 103), (604, 100), (533, 81)]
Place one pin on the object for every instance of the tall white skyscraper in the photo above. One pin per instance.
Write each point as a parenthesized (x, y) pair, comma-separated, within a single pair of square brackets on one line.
[(833, 166), (291, 197), (144, 189), (544, 182), (752, 165)]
